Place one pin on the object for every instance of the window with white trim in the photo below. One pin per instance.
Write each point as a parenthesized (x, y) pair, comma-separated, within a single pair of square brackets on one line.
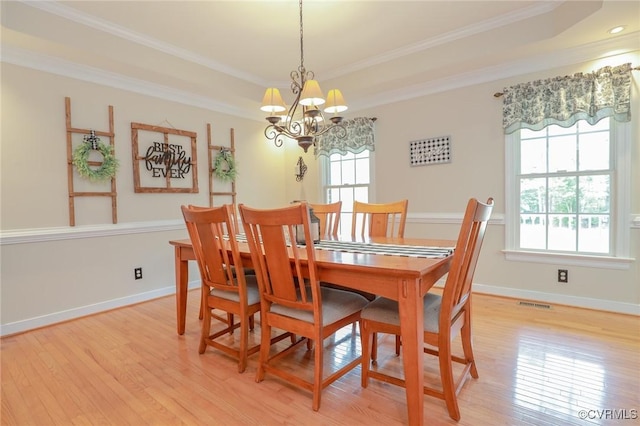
[(568, 189), (347, 178)]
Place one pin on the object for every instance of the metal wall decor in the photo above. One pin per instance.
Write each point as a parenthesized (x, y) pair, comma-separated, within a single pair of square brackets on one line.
[(301, 169), (168, 158), (430, 151)]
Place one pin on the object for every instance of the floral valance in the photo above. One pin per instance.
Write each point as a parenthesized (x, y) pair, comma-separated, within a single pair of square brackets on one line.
[(360, 135), (565, 100)]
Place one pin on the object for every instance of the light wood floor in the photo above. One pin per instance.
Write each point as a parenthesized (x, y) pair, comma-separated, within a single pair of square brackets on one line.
[(129, 367)]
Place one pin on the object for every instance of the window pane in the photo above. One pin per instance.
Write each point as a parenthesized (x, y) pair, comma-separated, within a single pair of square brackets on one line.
[(346, 195), (533, 233), (562, 153), (595, 194), (348, 172), (594, 151), (361, 194), (562, 195), (594, 234), (335, 175), (533, 194), (562, 232), (533, 156), (333, 195), (362, 171)]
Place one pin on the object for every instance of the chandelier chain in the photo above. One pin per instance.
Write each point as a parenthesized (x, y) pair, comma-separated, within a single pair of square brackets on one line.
[(301, 40)]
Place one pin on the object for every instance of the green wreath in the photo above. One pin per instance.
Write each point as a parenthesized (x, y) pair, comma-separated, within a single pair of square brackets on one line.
[(229, 172), (107, 169)]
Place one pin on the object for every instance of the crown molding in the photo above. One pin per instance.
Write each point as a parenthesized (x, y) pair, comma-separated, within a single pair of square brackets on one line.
[(468, 31), (587, 52), (29, 59), (95, 23)]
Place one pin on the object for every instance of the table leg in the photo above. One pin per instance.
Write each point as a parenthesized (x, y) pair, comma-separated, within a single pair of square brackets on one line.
[(182, 282), (412, 326)]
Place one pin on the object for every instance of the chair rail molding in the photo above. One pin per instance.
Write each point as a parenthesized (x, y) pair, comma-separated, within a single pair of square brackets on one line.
[(37, 235)]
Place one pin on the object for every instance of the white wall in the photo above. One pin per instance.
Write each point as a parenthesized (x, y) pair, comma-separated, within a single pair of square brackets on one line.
[(472, 116), (47, 281), (53, 280)]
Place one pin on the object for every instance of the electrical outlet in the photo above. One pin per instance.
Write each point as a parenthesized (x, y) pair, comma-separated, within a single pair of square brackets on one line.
[(137, 273), (563, 275)]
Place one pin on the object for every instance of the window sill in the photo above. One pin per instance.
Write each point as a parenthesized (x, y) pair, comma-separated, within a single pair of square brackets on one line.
[(603, 262)]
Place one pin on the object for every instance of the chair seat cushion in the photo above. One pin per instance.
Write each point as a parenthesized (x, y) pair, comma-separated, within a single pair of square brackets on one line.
[(253, 294), (336, 304), (386, 311)]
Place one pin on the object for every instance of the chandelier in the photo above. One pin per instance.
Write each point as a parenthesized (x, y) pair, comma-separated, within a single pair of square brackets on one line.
[(305, 120)]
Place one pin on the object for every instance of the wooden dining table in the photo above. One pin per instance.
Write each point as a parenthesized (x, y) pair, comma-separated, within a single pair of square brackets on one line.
[(399, 277)]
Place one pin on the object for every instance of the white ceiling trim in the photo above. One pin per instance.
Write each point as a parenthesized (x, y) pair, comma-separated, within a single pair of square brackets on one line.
[(480, 27), (38, 61), (21, 57), (72, 14), (588, 52)]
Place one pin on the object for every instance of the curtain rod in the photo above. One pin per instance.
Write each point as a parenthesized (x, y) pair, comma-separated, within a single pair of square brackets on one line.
[(498, 94)]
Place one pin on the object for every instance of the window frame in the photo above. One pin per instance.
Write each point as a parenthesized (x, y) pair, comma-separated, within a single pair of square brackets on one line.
[(325, 172), (620, 137)]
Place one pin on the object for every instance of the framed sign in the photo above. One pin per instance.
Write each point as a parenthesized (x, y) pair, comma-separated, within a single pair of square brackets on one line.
[(430, 151), (164, 159)]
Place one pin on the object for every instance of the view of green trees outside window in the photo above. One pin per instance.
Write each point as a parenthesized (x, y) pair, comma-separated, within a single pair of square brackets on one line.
[(565, 186)]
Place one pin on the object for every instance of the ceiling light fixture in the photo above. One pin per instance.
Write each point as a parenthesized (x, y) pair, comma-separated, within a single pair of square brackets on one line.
[(616, 30), (305, 120)]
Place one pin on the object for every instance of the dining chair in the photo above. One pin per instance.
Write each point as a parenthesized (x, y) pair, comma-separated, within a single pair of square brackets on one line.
[(379, 220), (225, 286), (329, 215), (292, 298), (445, 316)]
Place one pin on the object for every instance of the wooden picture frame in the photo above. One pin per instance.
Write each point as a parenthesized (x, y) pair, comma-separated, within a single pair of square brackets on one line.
[(166, 163)]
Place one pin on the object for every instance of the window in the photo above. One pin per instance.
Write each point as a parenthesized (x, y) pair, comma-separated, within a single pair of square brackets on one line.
[(568, 189), (347, 178)]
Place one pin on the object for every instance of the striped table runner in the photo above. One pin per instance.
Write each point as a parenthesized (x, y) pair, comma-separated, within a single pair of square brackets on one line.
[(385, 249), (377, 248)]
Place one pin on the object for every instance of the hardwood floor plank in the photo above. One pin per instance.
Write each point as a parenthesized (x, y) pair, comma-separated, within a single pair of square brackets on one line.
[(128, 366)]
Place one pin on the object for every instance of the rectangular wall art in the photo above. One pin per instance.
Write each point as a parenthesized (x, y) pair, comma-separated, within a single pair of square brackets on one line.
[(430, 151), (164, 159)]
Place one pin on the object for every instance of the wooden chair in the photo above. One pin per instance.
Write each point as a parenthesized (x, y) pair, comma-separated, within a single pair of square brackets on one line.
[(212, 234), (329, 215), (444, 316), (379, 220), (291, 296)]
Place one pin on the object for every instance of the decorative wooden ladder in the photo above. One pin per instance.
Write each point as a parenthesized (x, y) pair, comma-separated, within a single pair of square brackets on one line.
[(212, 148), (72, 193)]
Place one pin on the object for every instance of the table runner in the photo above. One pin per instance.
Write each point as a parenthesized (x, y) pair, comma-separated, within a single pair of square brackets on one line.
[(377, 248)]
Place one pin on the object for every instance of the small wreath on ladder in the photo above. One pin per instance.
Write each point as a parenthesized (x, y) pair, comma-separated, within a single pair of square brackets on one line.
[(224, 166), (107, 169)]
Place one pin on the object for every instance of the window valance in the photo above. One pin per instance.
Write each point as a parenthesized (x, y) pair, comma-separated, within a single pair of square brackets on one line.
[(565, 100), (360, 137)]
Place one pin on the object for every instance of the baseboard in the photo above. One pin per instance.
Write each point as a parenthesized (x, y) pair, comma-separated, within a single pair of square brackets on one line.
[(83, 311), (560, 299)]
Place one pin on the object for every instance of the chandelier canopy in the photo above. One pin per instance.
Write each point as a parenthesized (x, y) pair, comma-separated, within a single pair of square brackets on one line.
[(305, 120)]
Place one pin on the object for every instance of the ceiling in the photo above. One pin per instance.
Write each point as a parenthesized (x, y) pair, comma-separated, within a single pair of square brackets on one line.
[(222, 54)]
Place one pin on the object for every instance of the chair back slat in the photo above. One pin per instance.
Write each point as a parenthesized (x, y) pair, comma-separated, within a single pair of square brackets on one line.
[(329, 215), (212, 242), (282, 267), (459, 281), (379, 220)]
